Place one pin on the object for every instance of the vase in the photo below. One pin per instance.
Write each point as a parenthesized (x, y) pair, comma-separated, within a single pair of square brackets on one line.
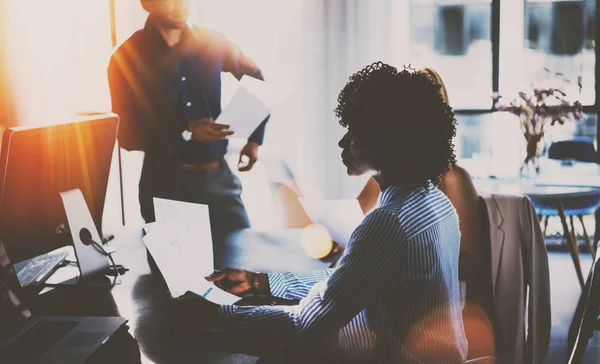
[(531, 164)]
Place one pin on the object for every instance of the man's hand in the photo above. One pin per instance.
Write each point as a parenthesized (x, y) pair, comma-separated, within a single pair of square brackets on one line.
[(194, 310), (206, 130), (250, 151), (239, 281)]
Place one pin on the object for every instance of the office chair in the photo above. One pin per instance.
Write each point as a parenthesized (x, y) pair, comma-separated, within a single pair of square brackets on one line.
[(580, 149), (585, 320)]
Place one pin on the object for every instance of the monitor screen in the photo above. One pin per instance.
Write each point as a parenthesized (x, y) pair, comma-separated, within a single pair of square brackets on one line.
[(36, 164)]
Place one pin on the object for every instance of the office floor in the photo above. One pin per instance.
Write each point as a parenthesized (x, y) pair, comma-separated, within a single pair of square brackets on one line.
[(564, 297)]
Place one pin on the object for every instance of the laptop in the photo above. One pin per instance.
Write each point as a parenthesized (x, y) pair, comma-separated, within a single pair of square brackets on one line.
[(26, 339)]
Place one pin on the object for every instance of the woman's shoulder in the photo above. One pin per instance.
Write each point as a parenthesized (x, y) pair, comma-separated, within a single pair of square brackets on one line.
[(457, 174), (459, 180)]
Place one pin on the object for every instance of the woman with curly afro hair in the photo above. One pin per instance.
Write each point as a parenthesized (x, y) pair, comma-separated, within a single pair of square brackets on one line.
[(478, 311), (395, 296)]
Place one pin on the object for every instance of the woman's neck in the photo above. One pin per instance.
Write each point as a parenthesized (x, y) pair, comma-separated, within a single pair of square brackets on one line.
[(381, 181)]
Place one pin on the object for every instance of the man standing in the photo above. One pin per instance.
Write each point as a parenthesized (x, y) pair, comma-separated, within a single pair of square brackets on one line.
[(165, 86)]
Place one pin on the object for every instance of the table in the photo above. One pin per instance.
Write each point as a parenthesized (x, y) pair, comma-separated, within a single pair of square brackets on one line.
[(141, 296), (556, 182)]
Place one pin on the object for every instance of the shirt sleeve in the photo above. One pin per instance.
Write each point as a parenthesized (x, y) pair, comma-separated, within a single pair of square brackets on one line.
[(237, 63), (295, 286), (258, 135), (131, 132), (372, 268)]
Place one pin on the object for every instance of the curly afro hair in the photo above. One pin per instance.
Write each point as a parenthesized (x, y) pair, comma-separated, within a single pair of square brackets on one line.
[(402, 121)]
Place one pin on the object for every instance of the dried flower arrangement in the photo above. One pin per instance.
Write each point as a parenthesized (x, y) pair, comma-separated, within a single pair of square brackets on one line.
[(539, 107)]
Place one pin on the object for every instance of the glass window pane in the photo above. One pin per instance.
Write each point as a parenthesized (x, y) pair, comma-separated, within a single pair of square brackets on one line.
[(558, 36), (455, 39)]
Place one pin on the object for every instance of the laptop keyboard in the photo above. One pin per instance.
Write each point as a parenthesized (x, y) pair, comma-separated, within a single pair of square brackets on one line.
[(35, 341), (35, 270)]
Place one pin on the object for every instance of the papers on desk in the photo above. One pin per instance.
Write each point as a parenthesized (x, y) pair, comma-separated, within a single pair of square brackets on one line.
[(339, 217), (180, 242), (244, 113)]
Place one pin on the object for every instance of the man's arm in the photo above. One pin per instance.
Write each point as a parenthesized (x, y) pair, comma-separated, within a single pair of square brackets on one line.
[(237, 63), (258, 134), (371, 269), (122, 86)]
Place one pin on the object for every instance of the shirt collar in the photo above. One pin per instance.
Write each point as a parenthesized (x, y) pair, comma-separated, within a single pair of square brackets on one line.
[(154, 37), (398, 189)]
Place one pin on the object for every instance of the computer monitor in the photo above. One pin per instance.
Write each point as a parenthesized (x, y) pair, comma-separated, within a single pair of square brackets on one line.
[(39, 162)]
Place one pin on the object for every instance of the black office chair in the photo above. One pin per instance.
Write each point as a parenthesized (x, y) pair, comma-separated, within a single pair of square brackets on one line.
[(578, 148), (585, 320)]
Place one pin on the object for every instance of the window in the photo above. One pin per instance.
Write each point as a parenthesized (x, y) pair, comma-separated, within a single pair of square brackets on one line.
[(556, 35), (57, 56), (484, 46), (455, 39)]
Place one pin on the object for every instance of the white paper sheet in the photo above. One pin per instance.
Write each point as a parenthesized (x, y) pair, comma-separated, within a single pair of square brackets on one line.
[(193, 228), (339, 217), (177, 261), (342, 222), (244, 113), (148, 227), (270, 93)]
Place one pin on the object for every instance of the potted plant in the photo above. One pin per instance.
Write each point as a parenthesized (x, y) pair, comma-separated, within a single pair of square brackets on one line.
[(538, 107)]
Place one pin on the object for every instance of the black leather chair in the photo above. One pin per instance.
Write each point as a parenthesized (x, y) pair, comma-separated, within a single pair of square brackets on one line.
[(585, 320)]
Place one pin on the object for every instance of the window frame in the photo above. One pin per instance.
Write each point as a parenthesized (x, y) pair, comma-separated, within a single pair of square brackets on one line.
[(495, 39)]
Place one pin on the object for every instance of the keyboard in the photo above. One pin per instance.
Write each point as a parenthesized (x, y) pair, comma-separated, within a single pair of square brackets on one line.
[(39, 267), (36, 340)]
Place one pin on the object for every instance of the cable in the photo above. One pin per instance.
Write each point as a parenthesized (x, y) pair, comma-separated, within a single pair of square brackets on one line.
[(100, 249)]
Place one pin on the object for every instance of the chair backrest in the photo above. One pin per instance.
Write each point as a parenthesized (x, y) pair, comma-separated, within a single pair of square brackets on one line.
[(479, 316), (580, 148), (585, 319)]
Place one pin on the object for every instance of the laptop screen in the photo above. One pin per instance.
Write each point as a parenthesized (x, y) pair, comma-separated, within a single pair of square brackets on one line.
[(12, 311)]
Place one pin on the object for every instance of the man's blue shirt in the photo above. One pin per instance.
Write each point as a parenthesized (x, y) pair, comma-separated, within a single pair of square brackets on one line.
[(156, 90)]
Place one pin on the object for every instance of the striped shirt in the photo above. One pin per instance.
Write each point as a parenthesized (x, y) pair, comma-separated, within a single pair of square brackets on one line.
[(395, 296)]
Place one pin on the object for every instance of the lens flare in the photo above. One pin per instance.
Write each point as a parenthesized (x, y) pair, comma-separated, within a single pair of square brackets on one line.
[(316, 241)]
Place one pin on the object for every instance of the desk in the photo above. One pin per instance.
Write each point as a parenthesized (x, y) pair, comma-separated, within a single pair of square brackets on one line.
[(141, 298), (556, 182)]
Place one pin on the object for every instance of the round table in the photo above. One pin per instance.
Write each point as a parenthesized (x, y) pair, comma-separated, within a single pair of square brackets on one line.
[(557, 183)]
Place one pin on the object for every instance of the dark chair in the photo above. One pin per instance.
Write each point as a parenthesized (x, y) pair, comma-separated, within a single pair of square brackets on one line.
[(585, 320), (577, 149)]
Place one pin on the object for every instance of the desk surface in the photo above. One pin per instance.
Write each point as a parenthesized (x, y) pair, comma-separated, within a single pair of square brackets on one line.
[(552, 173), (141, 298), (554, 181)]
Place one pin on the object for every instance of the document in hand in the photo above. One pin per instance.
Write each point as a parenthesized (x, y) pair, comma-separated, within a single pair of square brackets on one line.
[(180, 242), (244, 113), (339, 217)]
